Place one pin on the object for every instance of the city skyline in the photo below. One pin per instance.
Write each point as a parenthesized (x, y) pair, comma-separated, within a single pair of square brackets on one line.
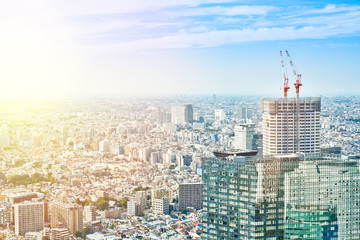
[(111, 48), (179, 119)]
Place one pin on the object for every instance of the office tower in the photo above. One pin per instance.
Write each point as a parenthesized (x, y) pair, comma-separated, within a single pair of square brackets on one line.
[(219, 115), (242, 113), (257, 142), (242, 198), (182, 114), (28, 217), (156, 157), (66, 215), (322, 199), (144, 154), (308, 196), (290, 127), (162, 192), (89, 213), (249, 113), (170, 158), (199, 117), (161, 205), (244, 136), (105, 146), (160, 115), (141, 199), (245, 113), (183, 160), (177, 114), (190, 195), (132, 208), (189, 113)]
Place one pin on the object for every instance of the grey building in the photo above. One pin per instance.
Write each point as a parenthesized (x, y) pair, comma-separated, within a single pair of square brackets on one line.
[(190, 195)]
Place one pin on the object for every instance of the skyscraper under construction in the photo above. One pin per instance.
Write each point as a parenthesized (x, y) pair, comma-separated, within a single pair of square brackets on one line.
[(287, 129)]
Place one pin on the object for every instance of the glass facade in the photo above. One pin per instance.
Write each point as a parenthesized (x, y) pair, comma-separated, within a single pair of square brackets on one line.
[(281, 197)]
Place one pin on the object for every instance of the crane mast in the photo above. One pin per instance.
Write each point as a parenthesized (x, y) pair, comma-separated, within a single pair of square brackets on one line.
[(296, 75), (286, 80), (297, 87)]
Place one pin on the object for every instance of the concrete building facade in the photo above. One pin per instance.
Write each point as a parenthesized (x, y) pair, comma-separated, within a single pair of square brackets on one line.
[(190, 195), (288, 130), (28, 217)]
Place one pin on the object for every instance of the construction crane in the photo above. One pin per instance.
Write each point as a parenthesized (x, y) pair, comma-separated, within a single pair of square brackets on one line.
[(297, 87), (286, 80), (297, 76)]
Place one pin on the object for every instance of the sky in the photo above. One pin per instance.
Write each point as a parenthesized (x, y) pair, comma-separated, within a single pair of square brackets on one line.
[(160, 47)]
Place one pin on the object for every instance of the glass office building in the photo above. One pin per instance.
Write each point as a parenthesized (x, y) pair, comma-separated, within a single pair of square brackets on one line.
[(281, 197)]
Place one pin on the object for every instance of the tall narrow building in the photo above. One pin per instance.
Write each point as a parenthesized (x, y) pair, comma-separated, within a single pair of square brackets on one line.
[(28, 217), (290, 126), (66, 215), (244, 135), (189, 113)]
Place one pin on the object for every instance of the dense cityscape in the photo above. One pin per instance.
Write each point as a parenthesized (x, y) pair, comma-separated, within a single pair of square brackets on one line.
[(179, 120), (132, 168)]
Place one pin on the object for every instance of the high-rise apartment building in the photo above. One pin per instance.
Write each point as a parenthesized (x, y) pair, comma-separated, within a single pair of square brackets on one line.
[(89, 213), (28, 217), (161, 205), (290, 126), (141, 199), (244, 136), (190, 195), (66, 215), (308, 196)]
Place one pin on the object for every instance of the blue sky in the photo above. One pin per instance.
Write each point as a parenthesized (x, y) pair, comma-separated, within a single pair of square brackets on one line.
[(108, 47)]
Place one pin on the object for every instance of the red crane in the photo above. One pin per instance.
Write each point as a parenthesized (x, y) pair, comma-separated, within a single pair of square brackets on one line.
[(297, 87), (286, 80), (297, 76)]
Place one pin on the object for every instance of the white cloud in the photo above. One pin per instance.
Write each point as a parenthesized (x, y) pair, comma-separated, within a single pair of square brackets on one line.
[(235, 36), (332, 8), (228, 11)]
